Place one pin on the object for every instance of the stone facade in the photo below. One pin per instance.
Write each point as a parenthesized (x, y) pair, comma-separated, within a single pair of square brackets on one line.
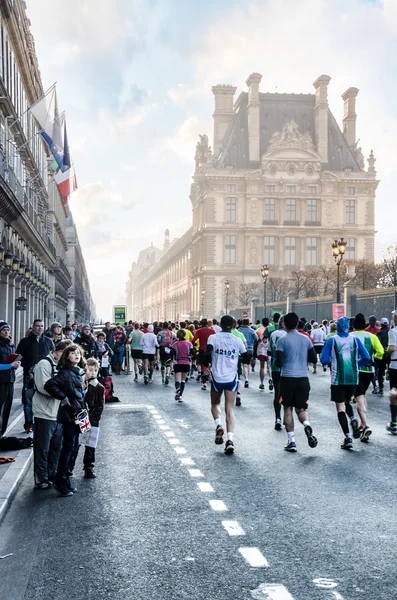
[(282, 184)]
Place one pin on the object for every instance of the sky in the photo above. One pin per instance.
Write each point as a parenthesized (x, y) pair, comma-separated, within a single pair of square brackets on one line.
[(135, 78)]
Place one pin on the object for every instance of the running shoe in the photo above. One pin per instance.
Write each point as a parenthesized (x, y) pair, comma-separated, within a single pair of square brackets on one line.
[(198, 378), (392, 428), (314, 371), (324, 369), (356, 428), (229, 447), (261, 387), (246, 383), (145, 379), (180, 399), (219, 435), (278, 425), (365, 433), (204, 386), (311, 439), (347, 443), (62, 490), (167, 380), (140, 368), (238, 399), (150, 379), (162, 380), (291, 447), (177, 395), (136, 378), (271, 385), (377, 392)]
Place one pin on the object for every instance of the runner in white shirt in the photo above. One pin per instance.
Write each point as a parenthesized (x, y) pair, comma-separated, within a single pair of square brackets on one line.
[(318, 338), (215, 326), (223, 350), (149, 345)]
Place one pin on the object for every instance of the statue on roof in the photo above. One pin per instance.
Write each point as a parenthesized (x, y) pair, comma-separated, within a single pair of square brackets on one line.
[(290, 136), (203, 152)]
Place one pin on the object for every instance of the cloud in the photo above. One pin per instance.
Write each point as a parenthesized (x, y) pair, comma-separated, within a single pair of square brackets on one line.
[(183, 142), (126, 167), (182, 95)]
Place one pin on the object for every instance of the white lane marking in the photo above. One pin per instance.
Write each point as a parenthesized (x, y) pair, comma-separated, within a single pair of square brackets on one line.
[(271, 591), (218, 505), (160, 422), (150, 406), (163, 427), (254, 557), (13, 423), (157, 417), (180, 450), (204, 486), (187, 461), (169, 433), (233, 528), (174, 441), (337, 596), (325, 583), (195, 473)]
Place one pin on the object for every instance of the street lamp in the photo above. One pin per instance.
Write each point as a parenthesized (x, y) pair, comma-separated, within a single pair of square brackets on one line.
[(227, 286), (165, 310), (264, 273), (8, 259), (202, 302), (175, 303), (338, 251)]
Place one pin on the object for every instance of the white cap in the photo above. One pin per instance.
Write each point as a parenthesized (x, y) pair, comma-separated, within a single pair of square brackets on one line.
[(315, 324), (384, 321), (150, 328)]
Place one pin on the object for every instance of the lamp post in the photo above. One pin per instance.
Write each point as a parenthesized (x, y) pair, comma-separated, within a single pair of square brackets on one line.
[(264, 273), (165, 310), (202, 302), (227, 286), (338, 251), (175, 303)]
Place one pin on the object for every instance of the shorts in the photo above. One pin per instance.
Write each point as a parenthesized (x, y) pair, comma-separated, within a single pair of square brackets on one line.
[(165, 357), (136, 353), (201, 358), (181, 368), (263, 359), (220, 387), (294, 391), (393, 377), (318, 349), (149, 357), (342, 393), (364, 379)]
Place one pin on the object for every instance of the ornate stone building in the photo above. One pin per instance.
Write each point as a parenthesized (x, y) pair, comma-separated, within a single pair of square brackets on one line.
[(33, 244), (282, 183)]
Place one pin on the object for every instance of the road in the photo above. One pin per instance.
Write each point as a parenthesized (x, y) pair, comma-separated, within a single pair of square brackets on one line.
[(320, 524)]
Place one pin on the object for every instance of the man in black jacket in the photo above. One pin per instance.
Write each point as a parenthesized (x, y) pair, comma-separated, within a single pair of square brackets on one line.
[(32, 348), (87, 342), (7, 376)]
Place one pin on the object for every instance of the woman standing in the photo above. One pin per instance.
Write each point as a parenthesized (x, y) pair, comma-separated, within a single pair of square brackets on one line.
[(182, 351), (67, 386), (118, 349)]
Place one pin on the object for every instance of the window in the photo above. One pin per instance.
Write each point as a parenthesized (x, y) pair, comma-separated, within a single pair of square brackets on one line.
[(231, 188), (312, 189), (350, 253), (230, 249), (290, 210), (290, 251), (231, 204), (269, 210), (351, 191), (291, 189), (268, 257), (350, 212), (270, 189), (311, 251), (311, 211)]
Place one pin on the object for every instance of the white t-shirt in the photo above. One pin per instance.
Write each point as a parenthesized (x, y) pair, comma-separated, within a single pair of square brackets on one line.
[(217, 329), (318, 337), (149, 343), (225, 353), (393, 342)]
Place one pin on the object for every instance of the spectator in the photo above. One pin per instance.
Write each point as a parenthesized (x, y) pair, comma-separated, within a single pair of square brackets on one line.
[(95, 400), (104, 354), (32, 348), (56, 333), (86, 341), (119, 340), (7, 375), (108, 331)]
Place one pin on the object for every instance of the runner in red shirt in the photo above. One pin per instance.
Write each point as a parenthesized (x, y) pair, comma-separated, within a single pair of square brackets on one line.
[(202, 334)]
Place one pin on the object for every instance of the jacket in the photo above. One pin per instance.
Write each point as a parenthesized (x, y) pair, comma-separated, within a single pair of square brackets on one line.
[(43, 405), (88, 344), (6, 349), (67, 384), (109, 336), (95, 400), (33, 348)]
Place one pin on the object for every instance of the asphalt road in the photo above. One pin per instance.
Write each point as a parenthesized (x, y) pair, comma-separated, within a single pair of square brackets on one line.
[(321, 523)]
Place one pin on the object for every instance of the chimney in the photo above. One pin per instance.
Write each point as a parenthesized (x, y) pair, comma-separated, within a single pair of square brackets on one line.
[(321, 115), (349, 117), (223, 114), (253, 82), (166, 239)]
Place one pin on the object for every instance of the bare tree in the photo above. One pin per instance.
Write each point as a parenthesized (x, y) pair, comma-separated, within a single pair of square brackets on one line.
[(277, 288), (245, 293), (367, 274), (388, 268)]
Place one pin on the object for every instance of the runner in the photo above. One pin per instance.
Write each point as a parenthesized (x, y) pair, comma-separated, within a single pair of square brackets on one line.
[(223, 350), (293, 352), (201, 336), (262, 353), (149, 345), (165, 338), (345, 354), (381, 365), (251, 338), (276, 371), (392, 349), (318, 338), (136, 349), (182, 351), (365, 376), (236, 333)]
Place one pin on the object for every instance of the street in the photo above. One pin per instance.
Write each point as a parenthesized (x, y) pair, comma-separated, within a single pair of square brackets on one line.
[(169, 516)]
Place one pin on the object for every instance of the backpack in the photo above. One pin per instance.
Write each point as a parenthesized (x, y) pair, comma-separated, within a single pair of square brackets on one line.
[(31, 388), (108, 385)]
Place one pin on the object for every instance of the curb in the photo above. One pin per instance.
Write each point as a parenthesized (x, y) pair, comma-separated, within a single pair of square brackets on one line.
[(11, 481)]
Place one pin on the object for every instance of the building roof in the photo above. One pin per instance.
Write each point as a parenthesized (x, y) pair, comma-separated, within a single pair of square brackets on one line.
[(275, 111), (149, 256)]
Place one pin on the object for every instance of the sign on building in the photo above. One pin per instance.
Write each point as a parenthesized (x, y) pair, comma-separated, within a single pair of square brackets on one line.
[(20, 303), (119, 314)]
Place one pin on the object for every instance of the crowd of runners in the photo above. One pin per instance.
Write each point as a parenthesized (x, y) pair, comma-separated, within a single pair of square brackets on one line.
[(67, 376)]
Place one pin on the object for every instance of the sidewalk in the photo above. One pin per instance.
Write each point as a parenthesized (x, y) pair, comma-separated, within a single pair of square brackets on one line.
[(12, 474)]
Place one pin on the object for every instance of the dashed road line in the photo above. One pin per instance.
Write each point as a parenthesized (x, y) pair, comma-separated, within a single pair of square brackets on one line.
[(254, 557), (218, 505), (180, 450), (187, 461), (173, 440), (195, 473), (233, 528), (271, 591), (163, 427), (168, 433), (204, 486)]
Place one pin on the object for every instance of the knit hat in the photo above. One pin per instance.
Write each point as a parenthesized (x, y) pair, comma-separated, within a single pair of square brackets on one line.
[(4, 325), (359, 321)]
